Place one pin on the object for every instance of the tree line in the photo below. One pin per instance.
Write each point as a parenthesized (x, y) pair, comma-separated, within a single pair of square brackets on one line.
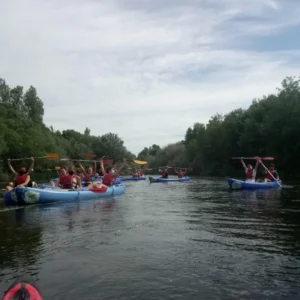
[(269, 127), (23, 133)]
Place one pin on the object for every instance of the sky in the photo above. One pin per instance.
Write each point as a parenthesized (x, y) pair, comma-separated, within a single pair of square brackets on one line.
[(147, 69)]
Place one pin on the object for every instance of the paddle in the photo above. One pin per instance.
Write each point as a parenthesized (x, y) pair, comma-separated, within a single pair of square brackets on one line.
[(139, 162), (254, 158), (269, 172), (51, 156), (90, 155)]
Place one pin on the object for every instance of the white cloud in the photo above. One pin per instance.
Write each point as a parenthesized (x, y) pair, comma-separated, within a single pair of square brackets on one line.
[(143, 69)]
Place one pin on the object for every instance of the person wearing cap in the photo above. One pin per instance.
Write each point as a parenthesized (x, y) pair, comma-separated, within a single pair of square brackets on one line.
[(274, 173)]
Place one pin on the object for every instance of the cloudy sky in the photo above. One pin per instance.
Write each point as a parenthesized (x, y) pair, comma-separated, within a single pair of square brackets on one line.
[(147, 69)]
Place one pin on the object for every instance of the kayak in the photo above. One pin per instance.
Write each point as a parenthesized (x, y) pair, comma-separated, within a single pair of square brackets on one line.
[(236, 184), (98, 180), (26, 195), (23, 289), (152, 180), (132, 178)]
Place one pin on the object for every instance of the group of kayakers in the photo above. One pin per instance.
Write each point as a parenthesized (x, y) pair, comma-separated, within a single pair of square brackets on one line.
[(179, 172), (68, 178), (270, 173)]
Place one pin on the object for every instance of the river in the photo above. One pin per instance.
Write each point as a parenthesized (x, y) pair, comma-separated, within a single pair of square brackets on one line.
[(191, 240)]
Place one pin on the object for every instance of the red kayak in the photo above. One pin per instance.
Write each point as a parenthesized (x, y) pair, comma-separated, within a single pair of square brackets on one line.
[(23, 289)]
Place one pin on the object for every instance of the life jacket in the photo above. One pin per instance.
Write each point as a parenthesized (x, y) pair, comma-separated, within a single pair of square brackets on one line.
[(180, 174), (141, 174), (107, 179), (87, 177), (66, 181), (269, 176), (249, 174), (20, 179), (164, 175)]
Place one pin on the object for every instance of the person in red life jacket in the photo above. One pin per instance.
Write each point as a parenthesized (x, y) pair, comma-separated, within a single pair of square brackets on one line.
[(164, 173), (140, 173), (250, 172), (110, 174), (89, 175), (69, 180), (22, 178), (180, 173), (274, 173)]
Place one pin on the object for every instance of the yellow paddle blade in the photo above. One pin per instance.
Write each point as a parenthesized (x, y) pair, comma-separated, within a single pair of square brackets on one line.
[(51, 156), (57, 168), (140, 162)]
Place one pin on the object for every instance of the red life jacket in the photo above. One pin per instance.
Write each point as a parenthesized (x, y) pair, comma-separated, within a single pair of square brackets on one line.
[(249, 174), (20, 179), (66, 181), (180, 174), (164, 175), (269, 176), (87, 177), (107, 179)]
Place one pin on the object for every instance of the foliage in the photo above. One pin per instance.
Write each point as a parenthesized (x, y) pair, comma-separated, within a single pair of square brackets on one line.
[(269, 127), (23, 133)]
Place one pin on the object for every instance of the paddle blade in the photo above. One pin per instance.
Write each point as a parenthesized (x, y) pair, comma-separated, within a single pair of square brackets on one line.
[(89, 155), (57, 168), (171, 166), (108, 161), (140, 162), (52, 156)]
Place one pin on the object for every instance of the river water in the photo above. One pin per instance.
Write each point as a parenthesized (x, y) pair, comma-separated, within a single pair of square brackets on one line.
[(191, 240)]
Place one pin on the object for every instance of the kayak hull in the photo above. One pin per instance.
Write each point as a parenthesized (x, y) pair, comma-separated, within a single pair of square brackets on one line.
[(25, 195), (153, 180), (235, 184), (132, 178), (23, 286)]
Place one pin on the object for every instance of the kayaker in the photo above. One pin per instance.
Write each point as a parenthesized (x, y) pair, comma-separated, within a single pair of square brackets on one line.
[(22, 178), (275, 174), (179, 173), (165, 174), (69, 180), (250, 172), (89, 176), (110, 174)]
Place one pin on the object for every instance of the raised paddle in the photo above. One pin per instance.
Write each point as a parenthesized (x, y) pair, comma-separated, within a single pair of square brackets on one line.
[(51, 156), (254, 158)]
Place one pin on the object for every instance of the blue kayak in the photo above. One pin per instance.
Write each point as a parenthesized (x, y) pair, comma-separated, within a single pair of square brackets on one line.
[(183, 179), (132, 178), (26, 195), (236, 184)]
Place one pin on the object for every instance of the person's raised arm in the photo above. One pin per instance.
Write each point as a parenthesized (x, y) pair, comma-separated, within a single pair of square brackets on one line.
[(10, 167), (243, 164), (82, 168), (31, 166), (102, 166), (121, 167)]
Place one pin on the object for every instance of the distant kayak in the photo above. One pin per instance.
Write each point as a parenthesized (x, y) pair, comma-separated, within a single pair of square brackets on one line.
[(236, 184), (132, 178), (152, 180), (23, 289)]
